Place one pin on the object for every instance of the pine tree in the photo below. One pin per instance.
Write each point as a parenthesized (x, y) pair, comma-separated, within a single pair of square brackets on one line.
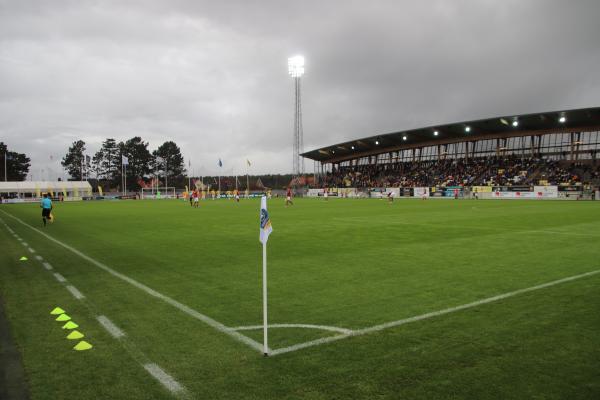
[(17, 164)]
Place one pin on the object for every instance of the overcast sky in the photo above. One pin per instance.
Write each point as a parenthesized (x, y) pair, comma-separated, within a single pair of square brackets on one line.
[(212, 75)]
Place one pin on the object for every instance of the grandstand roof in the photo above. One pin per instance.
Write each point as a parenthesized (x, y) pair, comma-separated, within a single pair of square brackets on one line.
[(529, 124)]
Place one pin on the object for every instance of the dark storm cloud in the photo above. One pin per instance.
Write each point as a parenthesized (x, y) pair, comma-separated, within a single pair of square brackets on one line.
[(212, 76)]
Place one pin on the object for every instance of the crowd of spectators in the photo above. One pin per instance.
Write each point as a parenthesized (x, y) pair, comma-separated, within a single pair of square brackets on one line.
[(489, 171)]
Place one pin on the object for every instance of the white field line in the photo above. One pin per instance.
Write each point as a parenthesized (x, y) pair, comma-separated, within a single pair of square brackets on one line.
[(31, 250), (39, 258), (303, 326), (165, 379), (153, 369), (182, 307), (75, 292), (111, 328), (59, 277), (392, 324), (565, 233), (24, 244)]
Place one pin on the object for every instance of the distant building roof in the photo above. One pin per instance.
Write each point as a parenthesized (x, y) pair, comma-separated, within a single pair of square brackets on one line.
[(514, 125), (32, 186)]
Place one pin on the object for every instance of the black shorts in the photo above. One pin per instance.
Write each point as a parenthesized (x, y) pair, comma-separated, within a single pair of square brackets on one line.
[(46, 212)]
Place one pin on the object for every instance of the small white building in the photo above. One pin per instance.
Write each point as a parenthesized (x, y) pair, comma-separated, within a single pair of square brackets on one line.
[(34, 190)]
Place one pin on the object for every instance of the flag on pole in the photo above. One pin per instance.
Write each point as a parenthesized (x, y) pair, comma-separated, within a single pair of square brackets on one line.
[(220, 163), (248, 162), (124, 160), (265, 221)]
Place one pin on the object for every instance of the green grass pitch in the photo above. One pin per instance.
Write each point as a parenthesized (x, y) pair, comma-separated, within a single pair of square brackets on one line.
[(343, 264)]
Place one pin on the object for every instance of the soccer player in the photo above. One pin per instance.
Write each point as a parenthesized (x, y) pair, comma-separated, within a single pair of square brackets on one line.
[(237, 196), (390, 197), (288, 197), (190, 195), (46, 205), (424, 194), (325, 193), (196, 198)]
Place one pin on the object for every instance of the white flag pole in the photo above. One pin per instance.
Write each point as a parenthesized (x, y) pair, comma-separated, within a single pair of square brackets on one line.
[(265, 331)]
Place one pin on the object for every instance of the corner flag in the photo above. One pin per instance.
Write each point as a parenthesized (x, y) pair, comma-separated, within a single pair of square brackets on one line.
[(265, 231), (265, 221)]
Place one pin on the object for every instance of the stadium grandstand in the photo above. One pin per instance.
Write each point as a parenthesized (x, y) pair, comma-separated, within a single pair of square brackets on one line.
[(500, 154)]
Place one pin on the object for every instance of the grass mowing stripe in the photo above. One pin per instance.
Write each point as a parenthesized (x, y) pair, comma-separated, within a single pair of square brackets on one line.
[(111, 328), (165, 379), (75, 292), (392, 324), (182, 307)]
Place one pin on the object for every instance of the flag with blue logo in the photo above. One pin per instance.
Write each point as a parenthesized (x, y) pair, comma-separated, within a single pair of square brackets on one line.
[(220, 163), (265, 221)]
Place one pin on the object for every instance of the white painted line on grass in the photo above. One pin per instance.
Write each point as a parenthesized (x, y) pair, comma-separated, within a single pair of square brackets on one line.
[(182, 307), (24, 244), (31, 250), (590, 235), (304, 345), (302, 326), (39, 258), (47, 266), (110, 327), (59, 277), (165, 379), (392, 324), (76, 293)]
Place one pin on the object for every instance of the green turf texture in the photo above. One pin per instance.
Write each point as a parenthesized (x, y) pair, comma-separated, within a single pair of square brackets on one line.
[(345, 263)]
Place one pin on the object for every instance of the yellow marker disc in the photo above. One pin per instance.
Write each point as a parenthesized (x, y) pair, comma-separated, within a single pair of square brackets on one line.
[(63, 317), (83, 345), (74, 335), (57, 311), (70, 325)]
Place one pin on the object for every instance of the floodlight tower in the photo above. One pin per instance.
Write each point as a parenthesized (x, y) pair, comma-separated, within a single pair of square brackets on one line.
[(296, 70)]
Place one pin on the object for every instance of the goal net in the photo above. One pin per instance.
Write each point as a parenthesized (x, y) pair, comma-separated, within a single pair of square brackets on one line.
[(159, 193)]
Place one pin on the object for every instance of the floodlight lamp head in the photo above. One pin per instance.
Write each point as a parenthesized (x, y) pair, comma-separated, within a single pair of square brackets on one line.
[(296, 66)]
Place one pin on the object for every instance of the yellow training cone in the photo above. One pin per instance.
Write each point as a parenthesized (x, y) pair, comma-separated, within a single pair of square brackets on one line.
[(83, 345), (63, 317), (57, 311), (70, 325), (23, 258), (74, 335)]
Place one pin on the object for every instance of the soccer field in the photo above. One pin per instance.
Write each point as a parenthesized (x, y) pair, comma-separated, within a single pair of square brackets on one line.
[(416, 299)]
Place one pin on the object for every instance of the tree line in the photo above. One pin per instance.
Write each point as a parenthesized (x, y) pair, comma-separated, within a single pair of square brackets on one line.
[(14, 166), (105, 167)]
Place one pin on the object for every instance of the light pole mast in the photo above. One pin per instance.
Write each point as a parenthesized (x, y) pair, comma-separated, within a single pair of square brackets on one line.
[(296, 70)]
